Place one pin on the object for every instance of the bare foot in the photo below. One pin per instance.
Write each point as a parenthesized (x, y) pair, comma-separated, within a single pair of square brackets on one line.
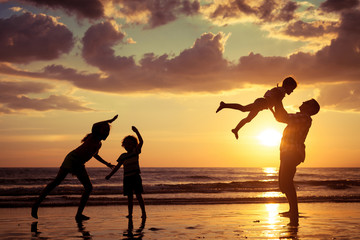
[(285, 214), (81, 217), (234, 131), (222, 105)]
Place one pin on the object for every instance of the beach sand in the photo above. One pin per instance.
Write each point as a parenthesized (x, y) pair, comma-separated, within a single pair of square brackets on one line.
[(218, 221)]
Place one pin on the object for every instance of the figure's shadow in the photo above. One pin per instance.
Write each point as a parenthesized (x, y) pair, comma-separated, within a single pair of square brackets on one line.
[(138, 234), (85, 234), (34, 229), (290, 231)]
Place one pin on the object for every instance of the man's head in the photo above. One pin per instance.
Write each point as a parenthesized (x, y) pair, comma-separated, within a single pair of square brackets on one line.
[(310, 107)]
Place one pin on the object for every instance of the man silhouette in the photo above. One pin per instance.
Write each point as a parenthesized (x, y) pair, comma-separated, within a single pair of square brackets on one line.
[(292, 149)]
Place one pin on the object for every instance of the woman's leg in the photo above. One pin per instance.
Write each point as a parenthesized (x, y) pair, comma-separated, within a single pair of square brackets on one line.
[(85, 180), (58, 179)]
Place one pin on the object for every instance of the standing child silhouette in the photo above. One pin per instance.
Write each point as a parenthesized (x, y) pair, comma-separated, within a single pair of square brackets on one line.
[(132, 182), (74, 163), (267, 102)]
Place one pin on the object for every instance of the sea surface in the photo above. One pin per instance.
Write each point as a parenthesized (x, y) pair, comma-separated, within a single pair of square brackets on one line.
[(19, 187)]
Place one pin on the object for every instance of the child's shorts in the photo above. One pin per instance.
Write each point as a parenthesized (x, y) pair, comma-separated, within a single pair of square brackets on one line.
[(133, 184)]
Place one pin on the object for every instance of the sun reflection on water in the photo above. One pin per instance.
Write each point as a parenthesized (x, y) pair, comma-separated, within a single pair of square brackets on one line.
[(272, 220), (270, 171), (271, 194)]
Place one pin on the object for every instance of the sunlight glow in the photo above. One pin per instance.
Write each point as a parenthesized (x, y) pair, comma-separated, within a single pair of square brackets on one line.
[(273, 216), (271, 194), (269, 137), (270, 171)]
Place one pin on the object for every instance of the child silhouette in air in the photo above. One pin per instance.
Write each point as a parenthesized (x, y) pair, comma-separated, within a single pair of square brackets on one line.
[(267, 102), (132, 182), (74, 163)]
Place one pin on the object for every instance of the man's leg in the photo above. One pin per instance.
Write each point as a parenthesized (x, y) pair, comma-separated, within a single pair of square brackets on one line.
[(286, 183)]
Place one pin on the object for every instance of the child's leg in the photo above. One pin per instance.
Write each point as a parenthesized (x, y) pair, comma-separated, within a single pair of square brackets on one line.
[(85, 180), (250, 117), (142, 204), (130, 205), (58, 179), (235, 106)]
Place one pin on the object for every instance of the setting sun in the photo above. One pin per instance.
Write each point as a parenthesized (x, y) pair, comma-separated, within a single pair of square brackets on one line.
[(269, 137)]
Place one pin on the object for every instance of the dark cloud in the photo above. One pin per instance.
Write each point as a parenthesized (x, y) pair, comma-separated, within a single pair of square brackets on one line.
[(266, 11), (13, 98), (337, 6), (29, 37), (342, 96), (97, 47), (287, 12), (202, 67), (310, 29), (92, 9), (157, 12)]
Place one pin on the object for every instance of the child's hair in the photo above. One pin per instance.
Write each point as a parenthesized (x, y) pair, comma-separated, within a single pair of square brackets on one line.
[(130, 138), (289, 82), (315, 107)]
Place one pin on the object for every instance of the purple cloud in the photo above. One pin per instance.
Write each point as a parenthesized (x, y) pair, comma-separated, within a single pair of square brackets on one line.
[(13, 98), (92, 9), (337, 6), (29, 37)]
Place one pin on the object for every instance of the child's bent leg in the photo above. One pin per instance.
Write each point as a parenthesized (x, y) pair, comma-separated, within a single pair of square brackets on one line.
[(248, 119), (130, 205), (142, 204), (85, 180), (58, 179)]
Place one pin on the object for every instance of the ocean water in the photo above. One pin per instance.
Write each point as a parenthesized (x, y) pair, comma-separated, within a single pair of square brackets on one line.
[(19, 187)]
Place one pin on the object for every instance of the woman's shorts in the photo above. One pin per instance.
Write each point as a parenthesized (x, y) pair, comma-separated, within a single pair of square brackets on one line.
[(133, 184), (72, 164)]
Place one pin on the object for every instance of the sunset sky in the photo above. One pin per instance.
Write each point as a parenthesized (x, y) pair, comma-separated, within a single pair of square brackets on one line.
[(164, 66)]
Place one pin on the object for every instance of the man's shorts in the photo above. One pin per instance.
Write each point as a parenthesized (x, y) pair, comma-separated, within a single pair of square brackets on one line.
[(133, 184)]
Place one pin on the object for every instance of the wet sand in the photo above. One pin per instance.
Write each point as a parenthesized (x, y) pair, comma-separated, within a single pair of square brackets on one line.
[(218, 221)]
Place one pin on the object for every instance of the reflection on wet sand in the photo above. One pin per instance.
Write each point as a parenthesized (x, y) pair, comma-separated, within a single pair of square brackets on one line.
[(34, 229), (138, 234), (85, 234)]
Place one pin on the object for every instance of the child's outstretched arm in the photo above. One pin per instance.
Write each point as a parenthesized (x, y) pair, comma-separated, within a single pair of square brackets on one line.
[(141, 141), (114, 170), (100, 159), (280, 113)]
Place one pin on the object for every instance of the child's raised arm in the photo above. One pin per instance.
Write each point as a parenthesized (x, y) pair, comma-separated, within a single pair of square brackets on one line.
[(141, 141)]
